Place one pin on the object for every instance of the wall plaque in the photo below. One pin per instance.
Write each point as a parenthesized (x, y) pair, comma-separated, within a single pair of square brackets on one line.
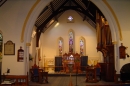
[(9, 48)]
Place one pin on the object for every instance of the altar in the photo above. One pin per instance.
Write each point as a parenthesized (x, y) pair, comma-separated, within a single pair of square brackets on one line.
[(51, 68)]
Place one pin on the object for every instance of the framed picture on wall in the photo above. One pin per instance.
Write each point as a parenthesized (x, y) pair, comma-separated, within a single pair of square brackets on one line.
[(9, 48), (20, 55)]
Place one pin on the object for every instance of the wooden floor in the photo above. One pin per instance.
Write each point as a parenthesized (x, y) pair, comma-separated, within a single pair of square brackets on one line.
[(63, 79), (66, 80)]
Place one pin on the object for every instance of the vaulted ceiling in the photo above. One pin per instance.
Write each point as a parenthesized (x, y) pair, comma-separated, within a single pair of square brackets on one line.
[(85, 8), (2, 2), (50, 14)]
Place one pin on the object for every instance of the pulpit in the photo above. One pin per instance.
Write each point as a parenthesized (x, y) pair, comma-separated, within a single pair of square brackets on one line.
[(71, 58), (91, 74), (70, 67)]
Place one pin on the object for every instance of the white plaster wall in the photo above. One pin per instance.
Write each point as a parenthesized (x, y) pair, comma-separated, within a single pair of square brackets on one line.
[(12, 17), (122, 10), (80, 28), (32, 49)]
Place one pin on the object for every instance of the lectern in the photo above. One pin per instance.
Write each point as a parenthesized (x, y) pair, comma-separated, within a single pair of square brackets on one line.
[(70, 66)]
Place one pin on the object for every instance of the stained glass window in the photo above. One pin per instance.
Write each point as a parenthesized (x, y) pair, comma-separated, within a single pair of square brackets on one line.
[(70, 18), (71, 42), (81, 47), (60, 47)]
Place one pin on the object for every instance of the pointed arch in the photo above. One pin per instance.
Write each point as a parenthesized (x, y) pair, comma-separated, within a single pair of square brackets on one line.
[(60, 48), (71, 41), (99, 3), (109, 14), (82, 46), (111, 18)]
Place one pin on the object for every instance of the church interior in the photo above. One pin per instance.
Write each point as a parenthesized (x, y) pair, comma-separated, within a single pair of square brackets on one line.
[(65, 40)]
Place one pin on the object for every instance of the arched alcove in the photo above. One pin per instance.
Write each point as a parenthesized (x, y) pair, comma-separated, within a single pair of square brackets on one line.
[(82, 39), (71, 41), (60, 46), (99, 3)]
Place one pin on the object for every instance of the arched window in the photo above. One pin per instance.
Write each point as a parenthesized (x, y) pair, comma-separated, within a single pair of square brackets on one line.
[(60, 45), (82, 46), (71, 41)]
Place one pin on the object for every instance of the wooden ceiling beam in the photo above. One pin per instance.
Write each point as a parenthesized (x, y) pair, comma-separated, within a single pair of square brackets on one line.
[(76, 8), (84, 18), (43, 11), (41, 27), (53, 11), (62, 8), (85, 11)]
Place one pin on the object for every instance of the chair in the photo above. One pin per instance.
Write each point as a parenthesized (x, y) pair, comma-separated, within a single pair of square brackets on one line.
[(98, 72), (43, 77), (35, 74)]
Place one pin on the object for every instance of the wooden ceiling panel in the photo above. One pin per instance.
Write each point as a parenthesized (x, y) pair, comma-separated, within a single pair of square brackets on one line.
[(85, 8)]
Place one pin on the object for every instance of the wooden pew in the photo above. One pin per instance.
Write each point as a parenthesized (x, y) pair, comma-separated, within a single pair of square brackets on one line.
[(18, 80)]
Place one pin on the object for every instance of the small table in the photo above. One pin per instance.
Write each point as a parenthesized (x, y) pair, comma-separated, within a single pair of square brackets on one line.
[(91, 74), (43, 74)]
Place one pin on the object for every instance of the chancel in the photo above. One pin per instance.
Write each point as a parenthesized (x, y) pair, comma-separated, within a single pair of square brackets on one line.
[(90, 36)]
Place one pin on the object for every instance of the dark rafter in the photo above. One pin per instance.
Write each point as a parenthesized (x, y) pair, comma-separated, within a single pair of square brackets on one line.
[(2, 2), (41, 27), (85, 8), (84, 11), (53, 11), (43, 10)]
